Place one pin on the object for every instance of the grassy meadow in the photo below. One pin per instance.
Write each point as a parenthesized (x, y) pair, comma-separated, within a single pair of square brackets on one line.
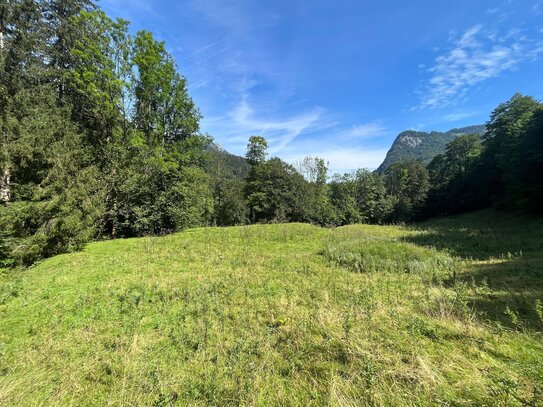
[(447, 312)]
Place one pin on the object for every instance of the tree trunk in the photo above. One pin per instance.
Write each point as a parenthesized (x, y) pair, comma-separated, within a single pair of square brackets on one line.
[(5, 188)]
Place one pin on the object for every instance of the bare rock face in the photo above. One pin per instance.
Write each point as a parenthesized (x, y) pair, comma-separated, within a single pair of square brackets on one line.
[(410, 141), (423, 146)]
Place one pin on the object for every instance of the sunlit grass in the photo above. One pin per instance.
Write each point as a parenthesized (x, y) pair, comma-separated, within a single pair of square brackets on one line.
[(282, 315)]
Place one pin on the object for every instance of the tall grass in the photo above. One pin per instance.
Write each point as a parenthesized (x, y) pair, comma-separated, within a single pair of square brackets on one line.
[(279, 315)]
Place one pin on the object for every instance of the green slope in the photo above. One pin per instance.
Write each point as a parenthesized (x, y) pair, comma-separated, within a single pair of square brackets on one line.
[(443, 313), (422, 145), (224, 165)]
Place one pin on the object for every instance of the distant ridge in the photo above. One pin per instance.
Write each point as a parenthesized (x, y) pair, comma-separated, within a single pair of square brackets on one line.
[(423, 145)]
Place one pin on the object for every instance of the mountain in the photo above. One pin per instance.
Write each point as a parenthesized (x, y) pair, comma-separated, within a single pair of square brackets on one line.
[(422, 145), (225, 165)]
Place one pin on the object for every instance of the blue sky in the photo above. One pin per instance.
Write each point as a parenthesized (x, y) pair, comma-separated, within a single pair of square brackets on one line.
[(340, 79)]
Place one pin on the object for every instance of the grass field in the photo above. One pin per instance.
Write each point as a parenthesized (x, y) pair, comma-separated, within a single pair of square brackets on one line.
[(447, 313)]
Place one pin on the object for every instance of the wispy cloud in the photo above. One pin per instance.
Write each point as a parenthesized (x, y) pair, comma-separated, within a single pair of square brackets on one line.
[(293, 137), (213, 54), (476, 56), (243, 121), (364, 131), (208, 46), (365, 148), (454, 117), (339, 159)]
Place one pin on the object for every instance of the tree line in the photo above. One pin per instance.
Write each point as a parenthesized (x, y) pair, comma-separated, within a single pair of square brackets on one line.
[(502, 168), (99, 138)]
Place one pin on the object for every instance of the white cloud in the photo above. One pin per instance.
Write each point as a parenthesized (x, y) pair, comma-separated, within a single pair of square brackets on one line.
[(242, 122), (475, 56), (363, 151), (454, 117), (209, 46), (342, 160), (234, 129), (367, 130)]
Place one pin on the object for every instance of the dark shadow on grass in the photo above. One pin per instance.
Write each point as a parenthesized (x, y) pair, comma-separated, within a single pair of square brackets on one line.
[(482, 235), (506, 273), (507, 291)]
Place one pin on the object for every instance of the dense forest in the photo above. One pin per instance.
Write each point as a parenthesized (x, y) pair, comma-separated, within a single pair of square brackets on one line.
[(100, 139)]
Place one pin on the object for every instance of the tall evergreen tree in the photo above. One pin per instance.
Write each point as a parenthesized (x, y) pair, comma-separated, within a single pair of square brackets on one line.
[(62, 33), (22, 70), (98, 133)]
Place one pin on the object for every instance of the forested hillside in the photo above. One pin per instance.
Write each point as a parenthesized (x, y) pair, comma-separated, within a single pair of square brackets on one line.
[(224, 165), (423, 146)]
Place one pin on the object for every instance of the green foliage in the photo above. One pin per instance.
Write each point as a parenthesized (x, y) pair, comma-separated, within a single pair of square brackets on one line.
[(501, 158), (513, 153), (6, 240), (502, 171), (317, 203), (343, 199), (461, 152), (314, 169), (228, 173), (529, 190), (408, 182), (223, 165), (99, 136), (55, 189), (423, 146), (275, 191), (164, 112), (373, 203), (256, 150), (160, 200), (452, 176), (98, 57), (230, 205)]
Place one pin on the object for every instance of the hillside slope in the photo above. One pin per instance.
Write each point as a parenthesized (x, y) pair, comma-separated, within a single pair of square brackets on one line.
[(422, 145), (225, 165), (283, 315)]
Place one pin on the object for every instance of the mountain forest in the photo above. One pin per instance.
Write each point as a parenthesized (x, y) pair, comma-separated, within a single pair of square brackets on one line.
[(100, 141)]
